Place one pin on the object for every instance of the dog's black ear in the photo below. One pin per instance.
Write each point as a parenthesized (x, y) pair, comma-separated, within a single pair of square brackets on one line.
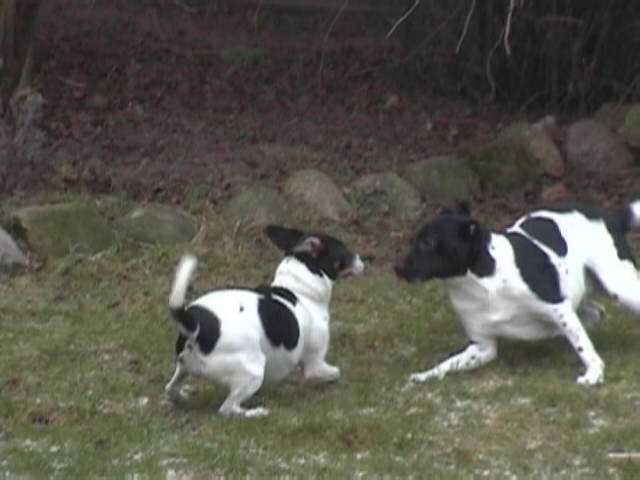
[(469, 229), (286, 239), (312, 245), (464, 208)]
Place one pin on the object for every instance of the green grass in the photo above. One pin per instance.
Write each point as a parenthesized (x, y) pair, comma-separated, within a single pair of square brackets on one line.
[(86, 346)]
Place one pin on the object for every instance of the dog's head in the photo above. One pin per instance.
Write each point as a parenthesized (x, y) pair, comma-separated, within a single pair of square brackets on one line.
[(447, 246), (321, 254)]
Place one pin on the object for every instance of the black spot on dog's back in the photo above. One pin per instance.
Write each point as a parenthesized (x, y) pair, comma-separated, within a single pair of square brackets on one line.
[(279, 322), (546, 231), (209, 328), (285, 293), (536, 269), (617, 225)]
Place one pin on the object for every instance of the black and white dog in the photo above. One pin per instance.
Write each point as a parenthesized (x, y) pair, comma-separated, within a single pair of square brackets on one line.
[(243, 338), (527, 282)]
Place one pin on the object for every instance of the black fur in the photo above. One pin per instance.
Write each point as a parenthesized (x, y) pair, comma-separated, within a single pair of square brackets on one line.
[(207, 324), (329, 256), (279, 322), (618, 225), (546, 231), (535, 268), (281, 292), (449, 246)]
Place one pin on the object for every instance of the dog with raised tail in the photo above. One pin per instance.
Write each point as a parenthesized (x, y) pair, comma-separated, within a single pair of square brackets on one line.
[(243, 338), (530, 281)]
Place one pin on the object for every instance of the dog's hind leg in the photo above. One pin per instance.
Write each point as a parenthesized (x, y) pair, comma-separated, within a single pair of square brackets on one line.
[(473, 356), (621, 281), (245, 382)]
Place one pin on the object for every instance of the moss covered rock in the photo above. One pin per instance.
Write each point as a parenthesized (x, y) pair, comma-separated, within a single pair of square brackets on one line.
[(57, 230), (443, 180), (505, 167), (612, 115), (386, 194), (156, 223), (631, 128), (318, 191), (257, 206)]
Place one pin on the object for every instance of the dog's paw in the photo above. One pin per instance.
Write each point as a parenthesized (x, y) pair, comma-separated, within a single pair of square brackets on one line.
[(256, 412), (422, 377), (331, 374), (174, 396), (595, 376), (327, 373)]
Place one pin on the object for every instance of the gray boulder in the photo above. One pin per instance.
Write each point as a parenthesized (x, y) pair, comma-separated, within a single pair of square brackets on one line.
[(443, 180), (593, 149), (11, 257), (320, 193), (60, 229), (257, 206), (386, 194), (158, 224)]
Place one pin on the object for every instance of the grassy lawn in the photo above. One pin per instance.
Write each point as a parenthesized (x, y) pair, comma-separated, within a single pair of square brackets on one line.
[(86, 346)]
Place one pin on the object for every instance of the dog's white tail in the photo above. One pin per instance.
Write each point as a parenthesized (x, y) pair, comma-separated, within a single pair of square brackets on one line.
[(181, 281)]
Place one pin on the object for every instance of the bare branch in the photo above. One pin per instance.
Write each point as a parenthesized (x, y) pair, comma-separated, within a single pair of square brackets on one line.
[(507, 27), (326, 35), (466, 26), (489, 72), (255, 15), (403, 18)]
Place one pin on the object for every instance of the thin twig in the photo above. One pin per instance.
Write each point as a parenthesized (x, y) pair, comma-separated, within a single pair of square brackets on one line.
[(255, 15), (186, 8), (489, 73), (403, 18), (466, 26), (507, 27), (328, 33)]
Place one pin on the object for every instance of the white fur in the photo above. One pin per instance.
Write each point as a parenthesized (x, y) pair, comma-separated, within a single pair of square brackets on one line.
[(502, 305), (184, 272), (243, 358)]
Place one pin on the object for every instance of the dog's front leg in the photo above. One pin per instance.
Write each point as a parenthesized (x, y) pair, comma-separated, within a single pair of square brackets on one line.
[(314, 366), (572, 328), (473, 356), (172, 389)]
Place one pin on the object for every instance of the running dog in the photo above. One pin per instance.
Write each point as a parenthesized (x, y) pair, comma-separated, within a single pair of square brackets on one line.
[(530, 281), (243, 338)]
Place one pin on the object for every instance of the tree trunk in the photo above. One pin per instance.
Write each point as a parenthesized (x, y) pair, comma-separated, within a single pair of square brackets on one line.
[(17, 26)]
